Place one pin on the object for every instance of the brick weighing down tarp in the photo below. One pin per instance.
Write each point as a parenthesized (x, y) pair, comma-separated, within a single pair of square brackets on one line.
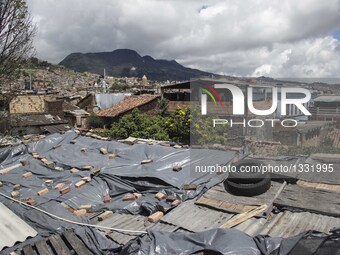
[(53, 160), (119, 175)]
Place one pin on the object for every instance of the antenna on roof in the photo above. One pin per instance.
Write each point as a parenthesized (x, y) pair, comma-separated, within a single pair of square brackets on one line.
[(30, 81), (104, 82)]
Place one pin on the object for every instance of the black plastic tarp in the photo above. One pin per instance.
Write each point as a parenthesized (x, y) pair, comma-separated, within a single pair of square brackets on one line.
[(47, 226), (125, 174), (232, 241), (118, 176)]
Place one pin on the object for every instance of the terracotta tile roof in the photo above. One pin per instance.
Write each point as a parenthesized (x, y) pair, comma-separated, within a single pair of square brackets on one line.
[(128, 103)]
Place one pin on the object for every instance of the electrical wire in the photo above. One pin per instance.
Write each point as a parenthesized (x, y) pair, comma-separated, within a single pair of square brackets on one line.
[(71, 221)]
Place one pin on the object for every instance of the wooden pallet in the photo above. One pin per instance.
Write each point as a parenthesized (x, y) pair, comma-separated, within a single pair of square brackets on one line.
[(65, 244)]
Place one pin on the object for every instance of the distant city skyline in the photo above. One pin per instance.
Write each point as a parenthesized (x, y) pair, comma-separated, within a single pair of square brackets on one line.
[(243, 38)]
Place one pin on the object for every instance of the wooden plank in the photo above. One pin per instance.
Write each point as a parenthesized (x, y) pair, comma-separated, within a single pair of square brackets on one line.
[(239, 218), (43, 248), (217, 197), (309, 199), (320, 186), (28, 250), (59, 246), (223, 205), (78, 245)]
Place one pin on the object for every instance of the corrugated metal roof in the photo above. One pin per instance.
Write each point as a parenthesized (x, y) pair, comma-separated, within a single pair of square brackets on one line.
[(55, 128), (309, 199), (12, 228), (131, 222), (195, 218), (288, 223), (108, 100), (252, 226), (19, 120)]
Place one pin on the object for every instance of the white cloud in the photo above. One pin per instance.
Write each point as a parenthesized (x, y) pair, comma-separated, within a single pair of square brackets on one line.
[(232, 37), (263, 70)]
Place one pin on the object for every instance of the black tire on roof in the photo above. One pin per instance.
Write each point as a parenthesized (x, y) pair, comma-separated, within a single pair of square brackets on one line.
[(247, 177), (248, 190)]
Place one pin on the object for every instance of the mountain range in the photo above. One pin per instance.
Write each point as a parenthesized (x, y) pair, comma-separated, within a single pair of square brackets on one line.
[(128, 63)]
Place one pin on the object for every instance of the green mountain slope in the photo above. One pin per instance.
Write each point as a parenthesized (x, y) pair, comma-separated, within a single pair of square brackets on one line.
[(125, 62)]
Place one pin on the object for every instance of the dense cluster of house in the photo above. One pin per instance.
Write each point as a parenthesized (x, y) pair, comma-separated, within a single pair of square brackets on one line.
[(40, 113)]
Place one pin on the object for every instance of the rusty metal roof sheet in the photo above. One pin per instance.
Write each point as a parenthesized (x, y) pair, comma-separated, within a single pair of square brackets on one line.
[(196, 218), (289, 223), (253, 226), (12, 228), (131, 222)]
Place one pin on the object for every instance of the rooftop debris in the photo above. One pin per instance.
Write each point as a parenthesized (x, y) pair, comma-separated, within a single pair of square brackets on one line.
[(80, 184), (146, 161), (42, 192), (128, 197), (27, 174), (160, 196), (59, 186), (105, 215), (155, 217)]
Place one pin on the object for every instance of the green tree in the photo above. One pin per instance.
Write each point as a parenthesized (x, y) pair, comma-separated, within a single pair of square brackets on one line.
[(16, 35), (163, 106), (178, 125), (140, 125), (202, 130), (95, 121)]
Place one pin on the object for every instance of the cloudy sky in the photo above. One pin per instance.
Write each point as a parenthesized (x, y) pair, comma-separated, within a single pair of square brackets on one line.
[(274, 38)]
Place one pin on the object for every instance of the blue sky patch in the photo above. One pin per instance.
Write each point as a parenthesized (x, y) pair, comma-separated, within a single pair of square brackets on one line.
[(336, 34)]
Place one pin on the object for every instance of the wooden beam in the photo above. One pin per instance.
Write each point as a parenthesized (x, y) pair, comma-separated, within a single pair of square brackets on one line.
[(78, 246), (239, 218), (59, 246), (43, 248)]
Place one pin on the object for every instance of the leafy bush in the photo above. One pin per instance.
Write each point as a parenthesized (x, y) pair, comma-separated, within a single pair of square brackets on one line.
[(177, 127), (140, 125), (163, 106), (95, 121), (202, 130)]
